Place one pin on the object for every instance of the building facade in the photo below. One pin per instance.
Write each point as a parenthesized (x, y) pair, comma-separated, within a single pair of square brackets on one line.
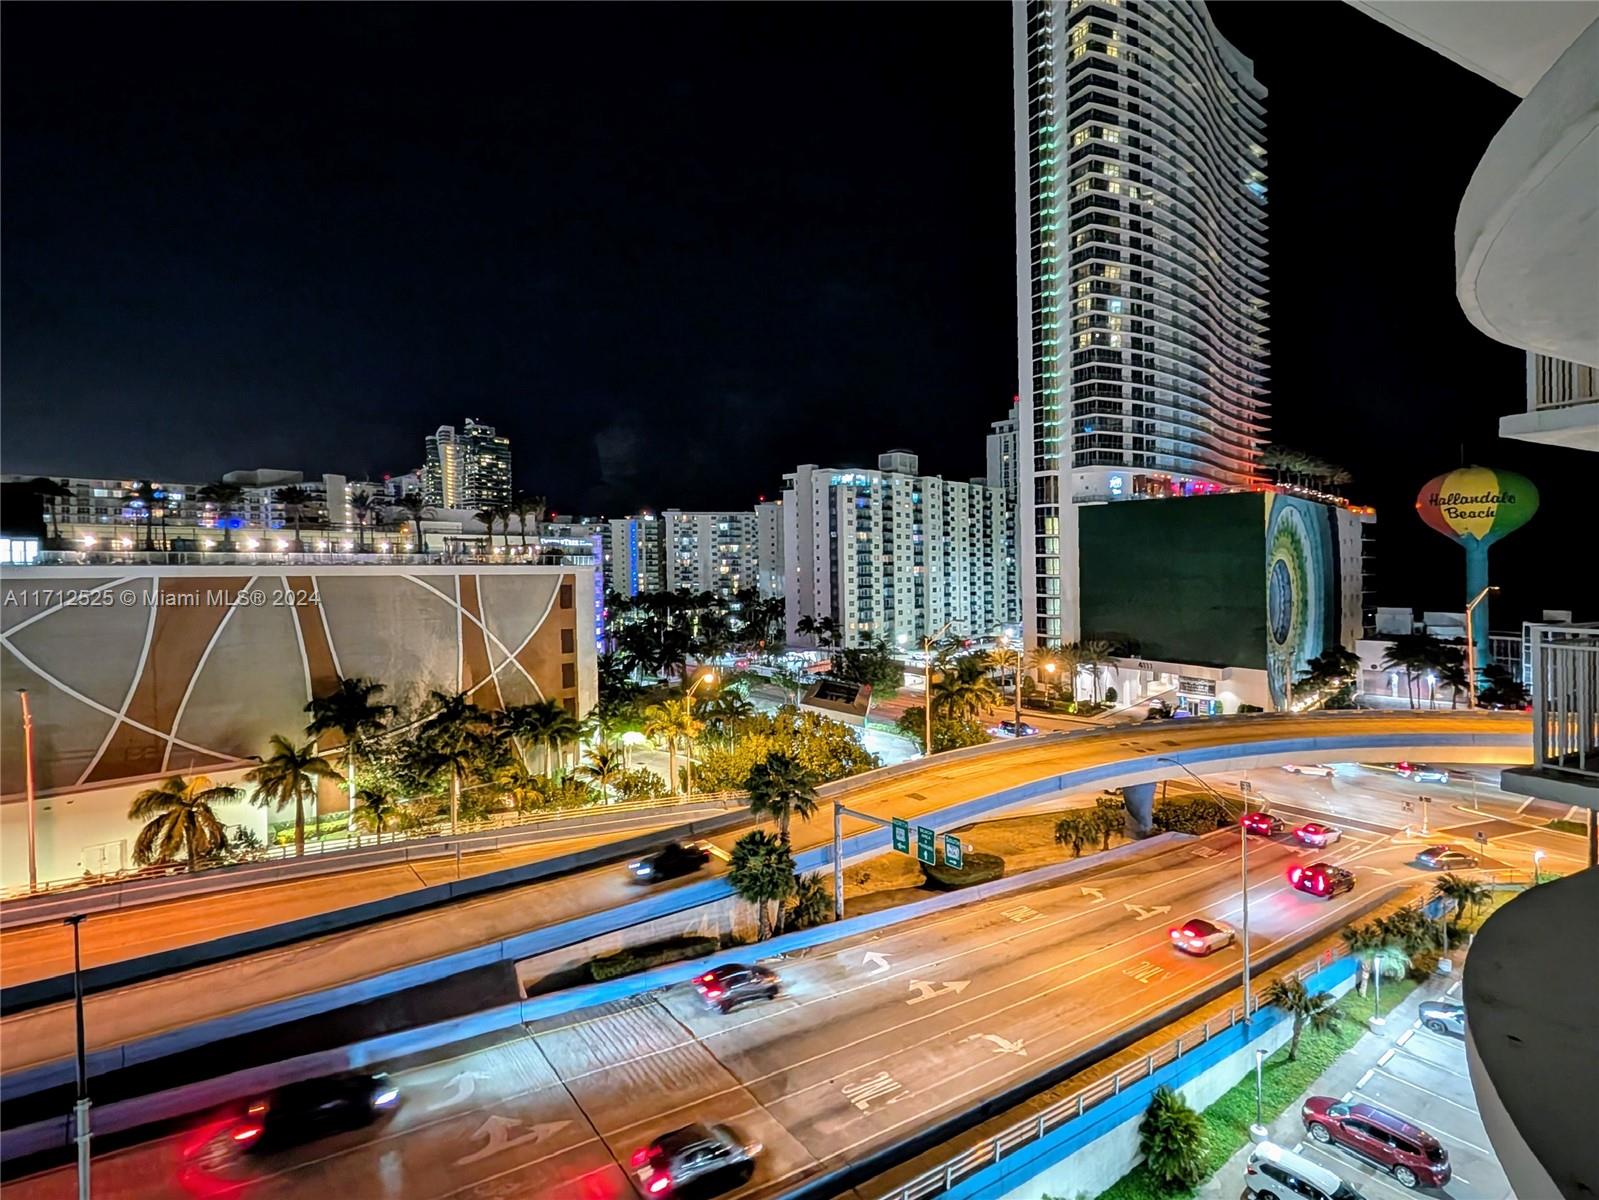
[(1141, 250), (1004, 473), (769, 548), (1562, 405), (891, 554), (711, 551), (633, 553), (469, 470)]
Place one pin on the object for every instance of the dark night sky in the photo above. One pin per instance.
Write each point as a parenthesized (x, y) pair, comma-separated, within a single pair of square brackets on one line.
[(672, 251)]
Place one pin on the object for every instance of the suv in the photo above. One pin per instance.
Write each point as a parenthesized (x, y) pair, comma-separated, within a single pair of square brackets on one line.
[(1321, 879), (724, 988), (296, 1113), (696, 1160), (1441, 1016), (1411, 1154), (670, 861), (1273, 1173)]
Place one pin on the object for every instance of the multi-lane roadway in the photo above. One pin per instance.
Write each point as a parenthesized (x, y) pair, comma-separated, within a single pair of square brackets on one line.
[(872, 1038)]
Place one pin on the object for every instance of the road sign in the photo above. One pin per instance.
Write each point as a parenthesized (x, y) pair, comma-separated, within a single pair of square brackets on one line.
[(926, 845), (954, 852), (1440, 907), (902, 835), (1482, 837)]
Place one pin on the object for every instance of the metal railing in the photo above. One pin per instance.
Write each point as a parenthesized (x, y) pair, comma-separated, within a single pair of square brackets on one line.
[(319, 848), (256, 558), (990, 1150), (1565, 698)]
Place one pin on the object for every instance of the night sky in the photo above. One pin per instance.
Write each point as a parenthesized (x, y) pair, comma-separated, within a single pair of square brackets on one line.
[(673, 251)]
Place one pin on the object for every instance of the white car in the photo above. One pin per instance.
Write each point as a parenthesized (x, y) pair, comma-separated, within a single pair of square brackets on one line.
[(1200, 937), (1313, 833), (1307, 769)]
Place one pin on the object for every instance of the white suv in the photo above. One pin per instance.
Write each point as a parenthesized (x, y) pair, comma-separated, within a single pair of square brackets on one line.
[(1277, 1174)]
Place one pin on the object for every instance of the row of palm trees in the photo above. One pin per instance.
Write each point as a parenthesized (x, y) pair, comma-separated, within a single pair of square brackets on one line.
[(1422, 657), (1063, 661), (1295, 467)]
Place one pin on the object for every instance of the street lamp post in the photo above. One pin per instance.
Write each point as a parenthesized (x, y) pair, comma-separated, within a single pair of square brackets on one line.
[(27, 755), (1016, 677), (688, 758), (1471, 646), (1426, 807), (1537, 872), (80, 1110), (1243, 875), (1258, 1130)]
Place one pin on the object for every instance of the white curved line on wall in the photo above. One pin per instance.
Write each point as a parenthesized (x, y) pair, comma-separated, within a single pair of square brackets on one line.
[(55, 608), (327, 632), (299, 640), (490, 635), (110, 712), (199, 669), (133, 684)]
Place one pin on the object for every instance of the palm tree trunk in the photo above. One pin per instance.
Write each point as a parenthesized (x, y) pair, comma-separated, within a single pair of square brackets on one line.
[(671, 758), (783, 826), (762, 922), (1293, 1043), (455, 797), (349, 755), (299, 825)]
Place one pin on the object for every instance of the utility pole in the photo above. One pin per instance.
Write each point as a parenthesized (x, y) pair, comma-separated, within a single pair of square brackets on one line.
[(27, 754), (839, 813), (80, 1110)]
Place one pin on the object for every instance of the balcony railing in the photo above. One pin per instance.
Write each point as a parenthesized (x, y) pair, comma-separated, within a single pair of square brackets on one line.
[(1565, 691), (254, 558)]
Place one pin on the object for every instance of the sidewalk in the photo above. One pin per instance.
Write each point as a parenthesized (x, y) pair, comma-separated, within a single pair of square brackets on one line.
[(1407, 1070)]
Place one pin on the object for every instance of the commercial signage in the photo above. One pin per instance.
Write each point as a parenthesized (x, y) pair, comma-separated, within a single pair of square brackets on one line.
[(954, 852), (902, 835), (926, 845), (1189, 686)]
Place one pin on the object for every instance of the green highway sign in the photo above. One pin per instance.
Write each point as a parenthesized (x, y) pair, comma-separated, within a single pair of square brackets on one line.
[(902, 835), (954, 852), (926, 845)]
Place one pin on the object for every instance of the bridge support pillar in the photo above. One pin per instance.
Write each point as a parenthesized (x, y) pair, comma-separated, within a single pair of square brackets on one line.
[(1139, 799)]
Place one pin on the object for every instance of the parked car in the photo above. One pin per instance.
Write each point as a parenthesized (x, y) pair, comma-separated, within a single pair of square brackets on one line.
[(724, 988), (670, 861), (1010, 728), (297, 1113), (696, 1160), (1273, 1173), (1407, 1152), (1314, 833), (1264, 824), (1421, 772), (1447, 858), (1441, 1016), (1307, 769), (1200, 937), (1321, 879)]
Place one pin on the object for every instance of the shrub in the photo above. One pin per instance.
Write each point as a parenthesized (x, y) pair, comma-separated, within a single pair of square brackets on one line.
[(813, 902), (1250, 708), (1110, 695), (1172, 1137), (949, 733), (1423, 964), (656, 954), (639, 784), (978, 868)]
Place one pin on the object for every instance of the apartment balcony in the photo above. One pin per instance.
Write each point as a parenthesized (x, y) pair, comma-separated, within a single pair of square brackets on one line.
[(1565, 724), (1562, 405)]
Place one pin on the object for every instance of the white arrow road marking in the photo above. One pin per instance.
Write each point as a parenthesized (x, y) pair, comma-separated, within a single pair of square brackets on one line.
[(928, 990), (1001, 1045), (1145, 913), (863, 1093), (498, 1131), (461, 1088), (1098, 895), (1379, 870), (873, 958)]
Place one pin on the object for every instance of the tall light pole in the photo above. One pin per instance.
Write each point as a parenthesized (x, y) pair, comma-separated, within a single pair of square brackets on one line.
[(1471, 646), (80, 1110), (27, 754), (688, 700), (1258, 1130), (1015, 659), (1243, 873)]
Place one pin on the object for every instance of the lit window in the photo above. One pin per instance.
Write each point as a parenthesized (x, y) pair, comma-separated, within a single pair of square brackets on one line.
[(1110, 50), (1113, 135), (1111, 169)]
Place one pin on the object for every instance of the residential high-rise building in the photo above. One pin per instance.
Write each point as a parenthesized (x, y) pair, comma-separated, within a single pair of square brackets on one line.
[(1141, 250), (769, 563), (891, 553), (1003, 473), (468, 470), (710, 551), (634, 556)]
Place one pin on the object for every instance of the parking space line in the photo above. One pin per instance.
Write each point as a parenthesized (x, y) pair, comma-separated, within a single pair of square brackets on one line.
[(1386, 1055), (1405, 1036), (1453, 988), (1344, 1161), (1365, 1079), (1437, 1066), (1452, 1103)]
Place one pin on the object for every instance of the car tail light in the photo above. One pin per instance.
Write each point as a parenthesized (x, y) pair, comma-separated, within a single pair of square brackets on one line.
[(713, 992), (659, 1184), (640, 1157), (256, 1109), (1249, 1169), (247, 1133), (1295, 874)]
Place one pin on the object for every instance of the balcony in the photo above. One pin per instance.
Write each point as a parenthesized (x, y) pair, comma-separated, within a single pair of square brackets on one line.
[(1565, 724)]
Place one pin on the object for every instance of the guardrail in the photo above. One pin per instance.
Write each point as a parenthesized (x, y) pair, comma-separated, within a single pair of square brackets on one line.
[(17, 905), (990, 1151)]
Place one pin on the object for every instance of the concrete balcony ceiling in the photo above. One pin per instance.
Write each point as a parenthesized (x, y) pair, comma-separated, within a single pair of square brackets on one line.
[(1527, 234)]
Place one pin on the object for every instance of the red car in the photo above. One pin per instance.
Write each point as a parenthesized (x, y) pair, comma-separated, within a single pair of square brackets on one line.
[(1321, 879), (1408, 1152), (1263, 824)]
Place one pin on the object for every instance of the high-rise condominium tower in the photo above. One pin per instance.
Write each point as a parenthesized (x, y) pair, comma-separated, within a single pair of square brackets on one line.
[(472, 470), (1141, 290)]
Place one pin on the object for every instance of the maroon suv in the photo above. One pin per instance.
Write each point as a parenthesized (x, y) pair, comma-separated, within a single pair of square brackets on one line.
[(1412, 1155)]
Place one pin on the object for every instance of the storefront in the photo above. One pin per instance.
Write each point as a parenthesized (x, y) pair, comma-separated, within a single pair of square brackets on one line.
[(1201, 691), (1197, 696)]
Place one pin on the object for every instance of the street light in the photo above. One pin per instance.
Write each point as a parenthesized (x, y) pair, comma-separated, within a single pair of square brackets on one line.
[(1471, 645), (1015, 659), (27, 754), (705, 677), (1050, 667), (1243, 873), (1537, 875), (1258, 1130), (80, 1110)]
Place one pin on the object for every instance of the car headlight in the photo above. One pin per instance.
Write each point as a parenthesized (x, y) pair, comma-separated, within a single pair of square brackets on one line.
[(386, 1097)]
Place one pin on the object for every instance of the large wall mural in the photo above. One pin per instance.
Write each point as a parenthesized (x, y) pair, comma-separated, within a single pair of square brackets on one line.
[(1301, 589), (136, 671)]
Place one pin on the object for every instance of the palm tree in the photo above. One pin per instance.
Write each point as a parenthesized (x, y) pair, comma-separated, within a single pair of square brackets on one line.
[(350, 711), (520, 784), (670, 721), (1468, 894), (523, 507), (289, 775), (488, 516), (143, 495), (224, 496), (368, 509), (1318, 1009), (294, 501), (376, 810), (1096, 657), (602, 764), (416, 510), (178, 815), (762, 873), (965, 692), (562, 731), (1075, 829), (722, 711), (781, 788), (1172, 1137), (453, 739)]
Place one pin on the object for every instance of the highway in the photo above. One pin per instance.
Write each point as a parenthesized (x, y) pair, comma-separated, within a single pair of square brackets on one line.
[(125, 1014)]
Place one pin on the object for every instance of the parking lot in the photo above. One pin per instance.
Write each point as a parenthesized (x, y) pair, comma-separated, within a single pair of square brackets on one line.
[(1414, 1073)]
